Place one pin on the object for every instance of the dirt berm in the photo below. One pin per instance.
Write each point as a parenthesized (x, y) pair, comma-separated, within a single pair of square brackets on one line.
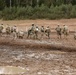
[(37, 44)]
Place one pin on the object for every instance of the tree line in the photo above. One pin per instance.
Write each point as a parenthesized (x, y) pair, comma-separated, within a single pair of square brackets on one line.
[(37, 9)]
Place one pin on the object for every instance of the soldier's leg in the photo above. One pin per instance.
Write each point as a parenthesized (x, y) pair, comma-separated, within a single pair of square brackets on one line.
[(15, 35), (0, 33), (67, 35), (75, 37), (48, 35), (41, 34), (58, 35), (28, 34), (37, 35)]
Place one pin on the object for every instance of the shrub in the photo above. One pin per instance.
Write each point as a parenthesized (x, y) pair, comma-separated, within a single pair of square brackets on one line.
[(39, 12)]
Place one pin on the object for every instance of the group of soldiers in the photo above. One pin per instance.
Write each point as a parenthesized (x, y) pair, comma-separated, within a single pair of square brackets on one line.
[(7, 28), (35, 31), (11, 30), (62, 31), (47, 31)]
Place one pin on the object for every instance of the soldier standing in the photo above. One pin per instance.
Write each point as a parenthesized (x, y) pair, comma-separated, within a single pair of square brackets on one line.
[(1, 29), (42, 31), (33, 26), (65, 31), (59, 31), (47, 31), (36, 32), (14, 28), (15, 31), (75, 35), (8, 30), (31, 31)]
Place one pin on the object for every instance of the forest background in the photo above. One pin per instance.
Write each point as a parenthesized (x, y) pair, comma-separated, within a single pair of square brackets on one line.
[(37, 9)]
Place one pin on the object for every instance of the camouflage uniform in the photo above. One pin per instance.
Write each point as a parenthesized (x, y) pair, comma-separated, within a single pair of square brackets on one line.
[(1, 28), (42, 31), (11, 29), (8, 30), (65, 30), (59, 31), (31, 31), (20, 34), (36, 32), (75, 35), (14, 29), (47, 31)]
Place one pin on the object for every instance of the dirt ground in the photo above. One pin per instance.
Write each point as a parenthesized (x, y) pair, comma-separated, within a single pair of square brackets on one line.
[(24, 24), (36, 56)]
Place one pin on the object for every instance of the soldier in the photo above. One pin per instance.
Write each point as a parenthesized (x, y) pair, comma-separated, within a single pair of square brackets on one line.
[(65, 31), (33, 26), (59, 31), (8, 31), (14, 31), (36, 32), (14, 28), (1, 29), (42, 31), (75, 35), (31, 31), (47, 31)]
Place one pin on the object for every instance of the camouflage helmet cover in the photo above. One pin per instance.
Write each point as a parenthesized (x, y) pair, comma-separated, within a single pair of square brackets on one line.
[(32, 24)]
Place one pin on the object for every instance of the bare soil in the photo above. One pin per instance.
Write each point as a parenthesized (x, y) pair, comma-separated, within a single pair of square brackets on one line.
[(40, 57)]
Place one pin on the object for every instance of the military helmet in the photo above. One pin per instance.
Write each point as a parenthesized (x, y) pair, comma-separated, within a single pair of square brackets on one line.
[(64, 25), (42, 26), (2, 24), (15, 26), (32, 24), (36, 26), (58, 25), (48, 27)]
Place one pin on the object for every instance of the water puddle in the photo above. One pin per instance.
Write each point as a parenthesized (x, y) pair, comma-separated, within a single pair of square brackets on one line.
[(11, 70)]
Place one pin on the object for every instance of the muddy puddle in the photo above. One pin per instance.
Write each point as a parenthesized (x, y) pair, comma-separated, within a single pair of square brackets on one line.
[(36, 62), (11, 70)]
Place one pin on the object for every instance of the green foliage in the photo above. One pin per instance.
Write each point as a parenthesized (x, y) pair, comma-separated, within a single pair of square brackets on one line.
[(2, 4), (9, 13), (37, 9), (39, 12), (0, 14), (73, 12)]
